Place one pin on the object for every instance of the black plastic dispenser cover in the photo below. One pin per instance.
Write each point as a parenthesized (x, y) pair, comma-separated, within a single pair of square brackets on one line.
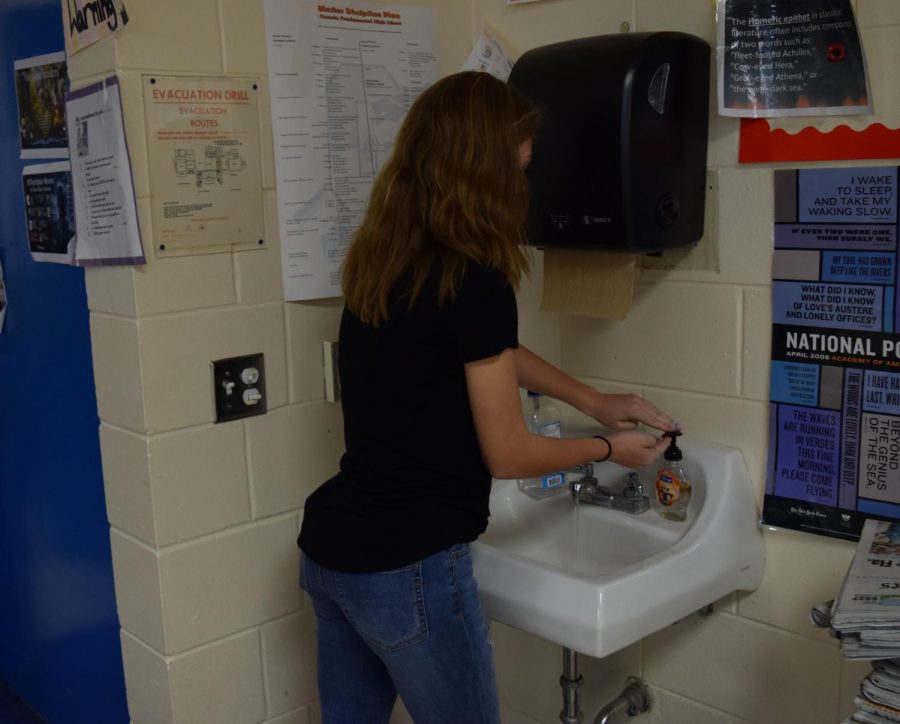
[(620, 161)]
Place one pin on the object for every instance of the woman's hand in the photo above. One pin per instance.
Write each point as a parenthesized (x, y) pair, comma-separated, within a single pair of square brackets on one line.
[(633, 449), (626, 411)]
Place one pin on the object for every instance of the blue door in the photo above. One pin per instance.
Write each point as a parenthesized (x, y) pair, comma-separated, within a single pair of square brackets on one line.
[(59, 634)]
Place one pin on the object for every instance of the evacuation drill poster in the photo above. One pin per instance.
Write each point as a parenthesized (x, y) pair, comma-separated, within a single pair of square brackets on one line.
[(834, 413)]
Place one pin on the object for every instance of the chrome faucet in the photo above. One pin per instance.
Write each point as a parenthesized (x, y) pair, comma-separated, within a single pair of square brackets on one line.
[(588, 490)]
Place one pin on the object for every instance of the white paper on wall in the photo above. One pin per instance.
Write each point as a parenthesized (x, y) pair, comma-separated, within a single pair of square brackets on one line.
[(105, 208), (49, 211), (41, 83), (488, 56), (341, 78)]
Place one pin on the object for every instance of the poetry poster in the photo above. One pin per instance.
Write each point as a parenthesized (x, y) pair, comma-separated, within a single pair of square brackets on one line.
[(834, 415)]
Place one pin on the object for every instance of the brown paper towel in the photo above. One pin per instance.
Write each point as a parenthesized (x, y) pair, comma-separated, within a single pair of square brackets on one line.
[(590, 283)]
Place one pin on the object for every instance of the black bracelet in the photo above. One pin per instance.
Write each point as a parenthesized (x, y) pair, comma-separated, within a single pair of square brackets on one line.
[(608, 452)]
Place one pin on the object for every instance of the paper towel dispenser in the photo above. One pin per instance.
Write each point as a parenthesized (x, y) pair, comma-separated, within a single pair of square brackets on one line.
[(620, 160)]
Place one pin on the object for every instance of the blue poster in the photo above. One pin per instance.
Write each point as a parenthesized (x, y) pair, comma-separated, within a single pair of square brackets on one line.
[(834, 400)]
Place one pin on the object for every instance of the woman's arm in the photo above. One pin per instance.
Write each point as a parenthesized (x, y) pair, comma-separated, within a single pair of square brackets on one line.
[(615, 411), (510, 451)]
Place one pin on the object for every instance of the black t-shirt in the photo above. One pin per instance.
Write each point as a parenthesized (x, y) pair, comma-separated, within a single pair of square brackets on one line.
[(412, 481)]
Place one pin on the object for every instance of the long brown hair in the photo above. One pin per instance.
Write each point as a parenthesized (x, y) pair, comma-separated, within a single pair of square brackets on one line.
[(452, 190)]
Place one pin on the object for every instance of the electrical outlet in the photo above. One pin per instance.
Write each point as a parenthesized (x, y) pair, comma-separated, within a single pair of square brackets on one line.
[(239, 387)]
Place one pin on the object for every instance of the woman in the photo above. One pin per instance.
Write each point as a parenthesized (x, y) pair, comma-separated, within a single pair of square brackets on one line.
[(430, 370)]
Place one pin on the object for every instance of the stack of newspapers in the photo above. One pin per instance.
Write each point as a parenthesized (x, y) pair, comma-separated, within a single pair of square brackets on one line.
[(866, 617)]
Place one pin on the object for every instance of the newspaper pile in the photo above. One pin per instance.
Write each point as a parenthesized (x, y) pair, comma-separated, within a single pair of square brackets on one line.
[(866, 618)]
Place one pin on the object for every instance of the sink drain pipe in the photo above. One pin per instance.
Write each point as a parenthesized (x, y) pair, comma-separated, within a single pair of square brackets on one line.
[(634, 699)]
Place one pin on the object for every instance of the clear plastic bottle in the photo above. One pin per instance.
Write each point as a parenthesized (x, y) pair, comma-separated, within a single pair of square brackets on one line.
[(673, 489), (542, 416)]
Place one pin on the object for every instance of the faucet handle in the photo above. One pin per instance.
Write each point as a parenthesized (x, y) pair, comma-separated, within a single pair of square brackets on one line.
[(587, 469), (634, 488)]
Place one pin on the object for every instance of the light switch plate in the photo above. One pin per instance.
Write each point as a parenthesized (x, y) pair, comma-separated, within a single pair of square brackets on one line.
[(239, 387), (330, 365)]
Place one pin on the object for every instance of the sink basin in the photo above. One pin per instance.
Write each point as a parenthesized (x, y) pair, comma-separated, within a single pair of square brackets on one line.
[(596, 580)]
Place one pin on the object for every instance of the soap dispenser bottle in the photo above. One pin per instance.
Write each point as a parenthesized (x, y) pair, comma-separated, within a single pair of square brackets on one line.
[(542, 416), (673, 489)]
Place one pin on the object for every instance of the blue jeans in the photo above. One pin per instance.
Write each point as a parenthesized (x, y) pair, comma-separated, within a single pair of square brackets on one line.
[(418, 631)]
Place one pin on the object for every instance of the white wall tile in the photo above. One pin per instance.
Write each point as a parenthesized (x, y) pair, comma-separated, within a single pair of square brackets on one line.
[(538, 331), (138, 591), (723, 135), (126, 481), (147, 679), (852, 674), (267, 149), (746, 213), (117, 372), (229, 581), (528, 671), (243, 37), (258, 271), (303, 715), (511, 716), (696, 18), (877, 13), (533, 25), (175, 284), (757, 344), (882, 64), (292, 452), (189, 470), (669, 708), (748, 670), (797, 562), (170, 35), (221, 683), (110, 290), (676, 335), (177, 351), (309, 324), (131, 93), (96, 60), (289, 656)]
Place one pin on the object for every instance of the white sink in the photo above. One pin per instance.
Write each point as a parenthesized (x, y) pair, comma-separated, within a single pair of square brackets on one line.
[(596, 580)]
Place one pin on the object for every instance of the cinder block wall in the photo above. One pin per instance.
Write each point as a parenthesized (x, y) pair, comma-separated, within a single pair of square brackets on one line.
[(203, 516), (697, 343)]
